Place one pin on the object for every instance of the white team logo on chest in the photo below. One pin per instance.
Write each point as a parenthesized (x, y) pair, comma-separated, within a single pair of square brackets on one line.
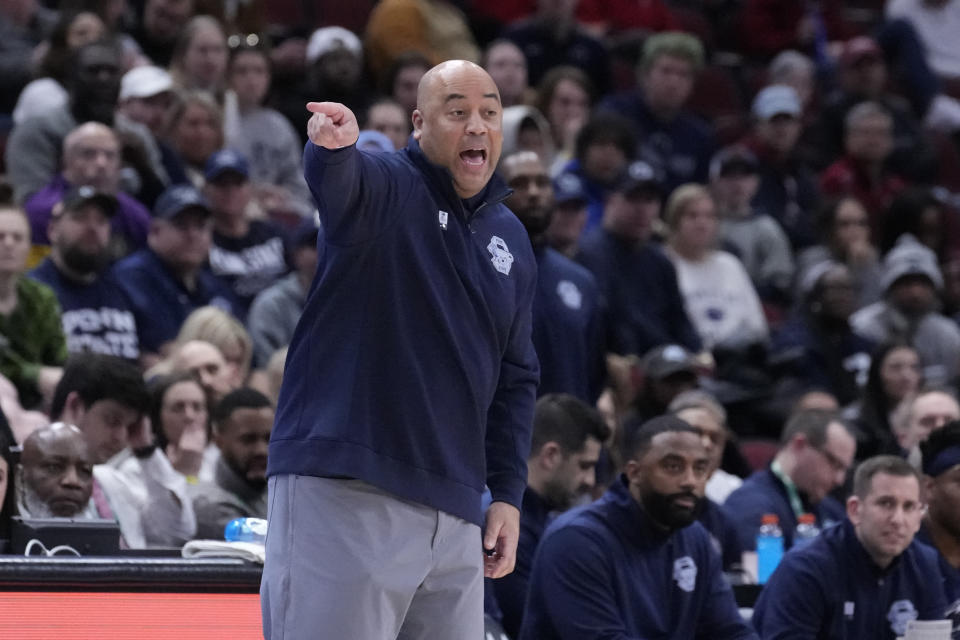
[(901, 613), (685, 573), (502, 258), (570, 294)]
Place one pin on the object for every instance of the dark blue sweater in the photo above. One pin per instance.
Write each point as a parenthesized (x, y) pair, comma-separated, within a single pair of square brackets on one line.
[(567, 327), (832, 590), (607, 572), (951, 580), (763, 493), (412, 367), (159, 299), (679, 149), (643, 304), (96, 316)]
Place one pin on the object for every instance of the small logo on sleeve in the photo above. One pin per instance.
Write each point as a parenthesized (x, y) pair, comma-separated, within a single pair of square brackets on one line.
[(443, 216), (502, 258)]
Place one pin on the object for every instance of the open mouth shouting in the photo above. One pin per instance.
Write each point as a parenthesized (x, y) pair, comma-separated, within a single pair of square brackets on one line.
[(474, 158)]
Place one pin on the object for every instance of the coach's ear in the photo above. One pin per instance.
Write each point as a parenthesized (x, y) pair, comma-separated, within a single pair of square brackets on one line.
[(854, 509)]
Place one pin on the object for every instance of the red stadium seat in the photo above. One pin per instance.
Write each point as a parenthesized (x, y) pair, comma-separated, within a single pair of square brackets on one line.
[(759, 452)]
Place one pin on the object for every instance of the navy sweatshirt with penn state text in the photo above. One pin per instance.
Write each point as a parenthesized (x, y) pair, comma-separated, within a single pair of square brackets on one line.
[(412, 367)]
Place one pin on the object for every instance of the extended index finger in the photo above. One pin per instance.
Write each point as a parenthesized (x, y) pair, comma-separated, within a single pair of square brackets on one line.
[(331, 109)]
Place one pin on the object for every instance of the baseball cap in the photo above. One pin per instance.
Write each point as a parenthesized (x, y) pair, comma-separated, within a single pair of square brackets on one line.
[(910, 258), (223, 161), (638, 177), (177, 199), (775, 100), (79, 196), (305, 233), (858, 49), (326, 39), (374, 142), (144, 82), (734, 159), (667, 360), (568, 188)]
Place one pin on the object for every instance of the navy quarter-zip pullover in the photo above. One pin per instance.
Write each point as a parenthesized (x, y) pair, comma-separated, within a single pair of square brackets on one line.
[(607, 572), (832, 590), (412, 367)]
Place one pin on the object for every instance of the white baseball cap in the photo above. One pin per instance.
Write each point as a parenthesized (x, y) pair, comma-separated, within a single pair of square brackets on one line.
[(144, 82), (327, 39)]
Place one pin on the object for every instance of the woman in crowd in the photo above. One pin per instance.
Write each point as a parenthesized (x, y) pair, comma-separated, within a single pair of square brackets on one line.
[(265, 138), (179, 417), (565, 97), (718, 294), (200, 57), (894, 376), (845, 238), (226, 333), (195, 130)]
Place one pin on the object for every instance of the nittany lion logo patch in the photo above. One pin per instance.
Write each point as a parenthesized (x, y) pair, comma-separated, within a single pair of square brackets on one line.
[(502, 258), (685, 573), (901, 613)]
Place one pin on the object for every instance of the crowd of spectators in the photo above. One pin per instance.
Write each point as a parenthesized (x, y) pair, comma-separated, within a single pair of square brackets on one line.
[(744, 212)]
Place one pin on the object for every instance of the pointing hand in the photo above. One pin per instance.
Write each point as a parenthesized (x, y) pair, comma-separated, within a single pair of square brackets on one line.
[(332, 125)]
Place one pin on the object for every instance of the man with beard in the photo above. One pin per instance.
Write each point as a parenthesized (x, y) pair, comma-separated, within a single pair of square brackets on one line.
[(567, 323), (95, 314), (911, 280), (816, 451), (241, 427), (170, 278), (93, 84), (635, 564), (567, 436), (55, 475), (864, 578), (91, 156)]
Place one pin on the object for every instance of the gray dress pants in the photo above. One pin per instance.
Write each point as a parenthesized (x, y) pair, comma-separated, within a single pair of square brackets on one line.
[(347, 561)]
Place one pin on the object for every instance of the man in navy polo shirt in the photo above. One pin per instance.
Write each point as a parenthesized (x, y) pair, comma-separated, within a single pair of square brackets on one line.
[(567, 321), (635, 563), (169, 279), (96, 315), (864, 578)]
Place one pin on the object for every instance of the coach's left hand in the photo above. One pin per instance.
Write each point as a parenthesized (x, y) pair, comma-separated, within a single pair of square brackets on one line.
[(501, 536)]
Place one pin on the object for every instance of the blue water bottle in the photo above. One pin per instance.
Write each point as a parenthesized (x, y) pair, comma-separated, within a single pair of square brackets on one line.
[(246, 530), (806, 532), (769, 547)]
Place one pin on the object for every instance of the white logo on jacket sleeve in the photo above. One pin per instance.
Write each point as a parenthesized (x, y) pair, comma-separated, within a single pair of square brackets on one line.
[(570, 294), (502, 258), (901, 612), (685, 573), (443, 216)]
